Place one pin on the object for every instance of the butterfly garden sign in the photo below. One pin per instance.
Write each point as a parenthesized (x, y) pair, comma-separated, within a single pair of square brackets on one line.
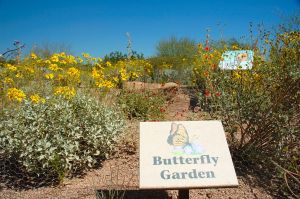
[(185, 154), (237, 59)]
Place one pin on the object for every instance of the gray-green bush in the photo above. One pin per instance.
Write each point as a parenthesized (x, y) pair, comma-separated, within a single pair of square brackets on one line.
[(61, 136)]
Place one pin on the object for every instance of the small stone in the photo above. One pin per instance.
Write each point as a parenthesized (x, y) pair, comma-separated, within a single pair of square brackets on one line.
[(196, 109), (209, 195)]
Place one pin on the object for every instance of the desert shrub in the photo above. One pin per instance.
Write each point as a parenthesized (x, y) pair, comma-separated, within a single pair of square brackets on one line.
[(259, 107), (183, 76), (59, 136), (174, 60), (173, 50), (144, 105)]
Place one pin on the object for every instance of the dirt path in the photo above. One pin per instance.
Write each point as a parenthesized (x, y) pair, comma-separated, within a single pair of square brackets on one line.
[(178, 107), (122, 171)]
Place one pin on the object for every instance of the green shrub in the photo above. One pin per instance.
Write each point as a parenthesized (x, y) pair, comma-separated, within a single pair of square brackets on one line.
[(143, 105), (60, 136), (182, 76)]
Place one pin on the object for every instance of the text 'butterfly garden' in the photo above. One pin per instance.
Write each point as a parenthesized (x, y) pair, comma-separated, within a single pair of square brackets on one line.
[(193, 152)]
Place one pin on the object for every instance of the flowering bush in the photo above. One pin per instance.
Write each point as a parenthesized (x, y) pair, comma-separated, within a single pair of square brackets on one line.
[(259, 107), (59, 136), (63, 74)]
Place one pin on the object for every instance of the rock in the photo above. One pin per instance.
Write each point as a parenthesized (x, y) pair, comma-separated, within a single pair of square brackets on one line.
[(209, 195), (170, 85), (137, 86)]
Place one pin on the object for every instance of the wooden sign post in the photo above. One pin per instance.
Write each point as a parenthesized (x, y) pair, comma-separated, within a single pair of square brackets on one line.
[(183, 155)]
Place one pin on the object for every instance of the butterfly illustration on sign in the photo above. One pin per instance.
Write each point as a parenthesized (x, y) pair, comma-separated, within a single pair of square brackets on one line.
[(181, 142)]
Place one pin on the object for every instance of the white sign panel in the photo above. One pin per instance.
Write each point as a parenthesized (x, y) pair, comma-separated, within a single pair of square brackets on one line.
[(232, 60), (185, 154)]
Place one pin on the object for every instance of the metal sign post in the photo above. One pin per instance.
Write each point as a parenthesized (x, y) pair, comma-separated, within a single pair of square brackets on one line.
[(183, 194)]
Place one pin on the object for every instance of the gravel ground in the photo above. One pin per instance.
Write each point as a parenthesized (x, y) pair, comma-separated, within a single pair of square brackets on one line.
[(121, 171)]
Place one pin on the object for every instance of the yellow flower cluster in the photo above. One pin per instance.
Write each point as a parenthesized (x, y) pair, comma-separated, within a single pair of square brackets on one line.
[(49, 76), (74, 73), (105, 84), (96, 74), (54, 58), (15, 94), (62, 59), (65, 91), (8, 80), (108, 64), (64, 72), (70, 59), (100, 80), (123, 74), (10, 67), (37, 99), (19, 75), (29, 70), (54, 67), (33, 56), (86, 55)]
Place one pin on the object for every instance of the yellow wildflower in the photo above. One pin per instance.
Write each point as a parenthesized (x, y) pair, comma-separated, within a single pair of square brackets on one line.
[(36, 99), (19, 75), (60, 77), (62, 54), (47, 62), (65, 91), (80, 60), (63, 62), (29, 70), (96, 74), (108, 64), (134, 75), (54, 58), (86, 55), (237, 75), (49, 76), (71, 59), (53, 67), (235, 47), (33, 56), (15, 94), (73, 72), (105, 84), (98, 65), (11, 67), (123, 74), (8, 80)]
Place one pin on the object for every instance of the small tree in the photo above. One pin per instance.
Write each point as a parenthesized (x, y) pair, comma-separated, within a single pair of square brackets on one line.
[(173, 47), (174, 59)]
